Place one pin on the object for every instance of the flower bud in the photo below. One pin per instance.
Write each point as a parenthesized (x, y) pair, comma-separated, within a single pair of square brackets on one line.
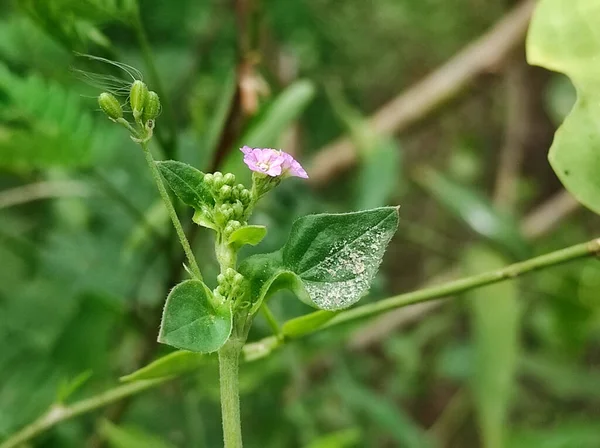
[(230, 273), (220, 279), (238, 209), (218, 179), (225, 192), (209, 179), (237, 279), (245, 196), (110, 106), (229, 179), (137, 98), (151, 107)]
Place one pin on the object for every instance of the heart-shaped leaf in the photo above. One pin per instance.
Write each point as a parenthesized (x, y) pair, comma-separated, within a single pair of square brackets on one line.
[(247, 235), (187, 183), (563, 36), (191, 321), (329, 260)]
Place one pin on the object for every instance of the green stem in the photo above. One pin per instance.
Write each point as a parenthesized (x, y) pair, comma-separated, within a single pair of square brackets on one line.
[(588, 249), (229, 358), (271, 320), (167, 200), (266, 346), (59, 412)]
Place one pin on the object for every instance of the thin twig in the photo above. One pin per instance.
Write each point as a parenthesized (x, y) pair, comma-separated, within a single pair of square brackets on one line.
[(43, 190), (416, 103)]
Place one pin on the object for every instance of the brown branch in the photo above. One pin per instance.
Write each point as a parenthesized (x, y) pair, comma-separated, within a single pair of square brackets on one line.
[(413, 105)]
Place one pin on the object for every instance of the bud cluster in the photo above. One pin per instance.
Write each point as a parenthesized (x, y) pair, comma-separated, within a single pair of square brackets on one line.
[(145, 107), (229, 285), (233, 202)]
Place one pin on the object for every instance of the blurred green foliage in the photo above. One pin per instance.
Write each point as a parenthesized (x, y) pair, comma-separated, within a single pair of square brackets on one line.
[(83, 278)]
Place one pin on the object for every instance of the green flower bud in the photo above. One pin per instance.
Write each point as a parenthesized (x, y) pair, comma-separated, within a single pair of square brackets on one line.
[(219, 181), (238, 279), (245, 196), (230, 273), (225, 192), (110, 106), (220, 279), (209, 179), (137, 98), (151, 107), (229, 179), (238, 211)]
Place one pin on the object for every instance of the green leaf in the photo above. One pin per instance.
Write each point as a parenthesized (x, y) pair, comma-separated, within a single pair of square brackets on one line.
[(247, 235), (190, 320), (173, 364), (563, 37), (130, 437), (475, 210), (329, 260), (187, 183), (298, 327), (346, 438), (495, 314), (68, 388)]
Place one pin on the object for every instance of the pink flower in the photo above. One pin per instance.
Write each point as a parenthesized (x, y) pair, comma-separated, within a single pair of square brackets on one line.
[(291, 167), (272, 162)]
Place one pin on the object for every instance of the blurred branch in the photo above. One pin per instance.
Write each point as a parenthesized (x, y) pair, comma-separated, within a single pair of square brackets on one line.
[(264, 347), (59, 413), (43, 190), (518, 126), (413, 105), (536, 224), (246, 58)]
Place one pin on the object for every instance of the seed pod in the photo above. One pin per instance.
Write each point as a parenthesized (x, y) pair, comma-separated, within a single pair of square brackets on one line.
[(151, 107), (110, 106), (137, 98)]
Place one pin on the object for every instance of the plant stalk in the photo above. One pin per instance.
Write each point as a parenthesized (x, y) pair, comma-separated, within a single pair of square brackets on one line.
[(229, 359), (172, 213)]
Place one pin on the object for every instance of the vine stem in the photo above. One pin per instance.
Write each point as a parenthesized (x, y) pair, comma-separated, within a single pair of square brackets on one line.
[(172, 213), (264, 347), (229, 359)]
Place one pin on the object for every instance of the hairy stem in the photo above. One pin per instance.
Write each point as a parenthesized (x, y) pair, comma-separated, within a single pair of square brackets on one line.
[(59, 413), (167, 201), (229, 358)]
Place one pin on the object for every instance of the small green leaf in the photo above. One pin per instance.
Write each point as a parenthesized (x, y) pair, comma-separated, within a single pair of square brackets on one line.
[(190, 320), (475, 210), (495, 313), (329, 260), (563, 37), (247, 235), (298, 327), (173, 364), (68, 388), (187, 183)]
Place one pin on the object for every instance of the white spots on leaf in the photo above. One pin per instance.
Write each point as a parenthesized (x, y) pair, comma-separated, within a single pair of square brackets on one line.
[(345, 274)]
